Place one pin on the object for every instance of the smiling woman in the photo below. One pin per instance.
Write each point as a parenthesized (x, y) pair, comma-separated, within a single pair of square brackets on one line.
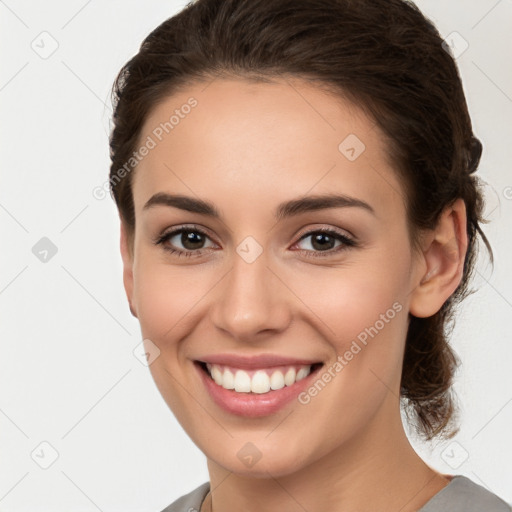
[(294, 246)]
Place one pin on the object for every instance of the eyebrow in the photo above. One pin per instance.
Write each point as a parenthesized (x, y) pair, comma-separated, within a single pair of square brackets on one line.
[(287, 209)]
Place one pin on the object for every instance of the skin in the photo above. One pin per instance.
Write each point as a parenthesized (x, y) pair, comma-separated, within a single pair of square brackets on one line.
[(246, 147)]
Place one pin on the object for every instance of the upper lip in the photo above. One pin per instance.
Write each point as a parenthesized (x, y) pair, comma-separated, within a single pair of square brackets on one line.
[(258, 361)]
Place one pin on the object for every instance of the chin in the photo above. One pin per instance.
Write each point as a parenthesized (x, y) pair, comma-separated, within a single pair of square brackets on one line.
[(276, 465)]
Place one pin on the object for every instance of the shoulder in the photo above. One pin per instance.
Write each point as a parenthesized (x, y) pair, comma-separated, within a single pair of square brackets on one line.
[(464, 495), (190, 502)]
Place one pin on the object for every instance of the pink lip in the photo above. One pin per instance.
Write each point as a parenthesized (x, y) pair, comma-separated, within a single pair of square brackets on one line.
[(253, 405), (260, 361)]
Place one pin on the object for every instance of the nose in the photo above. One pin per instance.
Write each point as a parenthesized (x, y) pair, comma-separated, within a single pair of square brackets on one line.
[(251, 302)]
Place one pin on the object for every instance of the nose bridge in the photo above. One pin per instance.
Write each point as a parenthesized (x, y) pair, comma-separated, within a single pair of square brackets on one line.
[(250, 299)]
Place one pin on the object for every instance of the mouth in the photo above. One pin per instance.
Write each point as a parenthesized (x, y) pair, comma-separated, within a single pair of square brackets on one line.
[(253, 392), (257, 381)]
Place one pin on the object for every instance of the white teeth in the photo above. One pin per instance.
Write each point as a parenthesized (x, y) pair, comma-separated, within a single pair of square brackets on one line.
[(301, 374), (289, 377), (242, 382), (228, 380), (277, 380), (261, 382), (217, 375)]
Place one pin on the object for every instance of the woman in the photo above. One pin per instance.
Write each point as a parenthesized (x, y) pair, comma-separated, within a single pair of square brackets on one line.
[(299, 217)]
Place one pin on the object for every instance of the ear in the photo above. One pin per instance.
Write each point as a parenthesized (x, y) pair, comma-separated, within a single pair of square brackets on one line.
[(127, 256), (443, 255)]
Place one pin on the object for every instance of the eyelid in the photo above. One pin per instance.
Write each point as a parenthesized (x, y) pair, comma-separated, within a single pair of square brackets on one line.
[(326, 229), (178, 229), (346, 238)]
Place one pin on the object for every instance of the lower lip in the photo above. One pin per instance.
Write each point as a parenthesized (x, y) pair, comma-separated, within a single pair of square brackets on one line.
[(253, 405)]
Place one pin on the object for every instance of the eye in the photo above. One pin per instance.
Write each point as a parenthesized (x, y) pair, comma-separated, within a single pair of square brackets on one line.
[(191, 238), (323, 242)]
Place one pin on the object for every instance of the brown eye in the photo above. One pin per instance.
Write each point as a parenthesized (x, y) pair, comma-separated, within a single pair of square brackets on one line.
[(184, 241), (324, 241)]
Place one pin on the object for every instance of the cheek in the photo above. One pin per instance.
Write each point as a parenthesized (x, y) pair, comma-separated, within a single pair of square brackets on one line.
[(349, 302), (362, 312), (167, 297)]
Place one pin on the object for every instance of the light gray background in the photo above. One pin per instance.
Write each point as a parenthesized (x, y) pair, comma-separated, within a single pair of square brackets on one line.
[(68, 374)]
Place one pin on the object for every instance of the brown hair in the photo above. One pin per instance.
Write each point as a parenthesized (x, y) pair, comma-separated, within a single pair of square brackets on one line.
[(383, 55)]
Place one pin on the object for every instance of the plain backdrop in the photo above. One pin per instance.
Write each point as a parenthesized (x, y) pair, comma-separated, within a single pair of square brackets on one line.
[(82, 425)]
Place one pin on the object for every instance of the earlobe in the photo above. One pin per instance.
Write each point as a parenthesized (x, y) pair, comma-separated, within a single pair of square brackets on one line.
[(444, 258), (127, 256)]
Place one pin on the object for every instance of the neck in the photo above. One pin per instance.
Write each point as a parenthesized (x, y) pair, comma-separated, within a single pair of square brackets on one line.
[(375, 470)]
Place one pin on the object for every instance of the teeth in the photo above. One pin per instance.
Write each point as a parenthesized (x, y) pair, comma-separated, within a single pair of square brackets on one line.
[(289, 377), (259, 381), (242, 382), (301, 374), (228, 380), (277, 380)]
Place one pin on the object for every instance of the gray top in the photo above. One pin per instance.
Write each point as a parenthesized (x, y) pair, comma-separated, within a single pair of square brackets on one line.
[(460, 495)]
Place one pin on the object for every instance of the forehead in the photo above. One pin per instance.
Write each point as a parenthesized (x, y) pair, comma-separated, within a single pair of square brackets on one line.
[(260, 142)]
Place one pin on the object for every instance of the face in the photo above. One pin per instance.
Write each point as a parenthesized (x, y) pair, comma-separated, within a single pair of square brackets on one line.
[(276, 281)]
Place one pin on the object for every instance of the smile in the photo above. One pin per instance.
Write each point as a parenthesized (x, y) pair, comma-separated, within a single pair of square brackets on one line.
[(257, 381), (257, 389)]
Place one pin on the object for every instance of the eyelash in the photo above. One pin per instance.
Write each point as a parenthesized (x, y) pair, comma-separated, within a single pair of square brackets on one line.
[(346, 242)]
